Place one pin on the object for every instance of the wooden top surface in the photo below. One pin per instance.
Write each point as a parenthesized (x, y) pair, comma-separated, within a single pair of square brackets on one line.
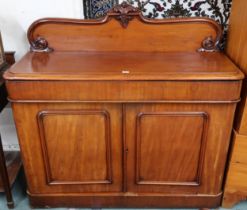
[(124, 66), (124, 45)]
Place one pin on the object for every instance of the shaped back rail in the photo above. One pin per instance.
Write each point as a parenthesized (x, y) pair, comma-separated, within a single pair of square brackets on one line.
[(124, 28)]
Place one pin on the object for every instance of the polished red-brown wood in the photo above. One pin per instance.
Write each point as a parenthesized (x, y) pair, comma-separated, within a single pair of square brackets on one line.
[(236, 180), (172, 147), (78, 145), (137, 33), (124, 111), (124, 66)]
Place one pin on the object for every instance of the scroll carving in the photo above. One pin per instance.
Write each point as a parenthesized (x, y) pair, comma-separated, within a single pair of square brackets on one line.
[(40, 44), (209, 45), (124, 13)]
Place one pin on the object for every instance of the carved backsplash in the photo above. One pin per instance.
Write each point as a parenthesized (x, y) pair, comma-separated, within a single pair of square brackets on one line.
[(218, 10)]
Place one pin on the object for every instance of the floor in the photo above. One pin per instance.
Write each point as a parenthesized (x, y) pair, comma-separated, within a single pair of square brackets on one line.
[(21, 200)]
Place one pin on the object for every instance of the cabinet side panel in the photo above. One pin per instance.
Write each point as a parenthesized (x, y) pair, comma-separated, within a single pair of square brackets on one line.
[(237, 51), (236, 185), (236, 182)]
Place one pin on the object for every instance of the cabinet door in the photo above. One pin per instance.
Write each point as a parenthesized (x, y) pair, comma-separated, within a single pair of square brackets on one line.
[(176, 148), (71, 147)]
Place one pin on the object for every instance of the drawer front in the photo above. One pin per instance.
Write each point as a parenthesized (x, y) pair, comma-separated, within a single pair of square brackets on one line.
[(177, 148), (125, 91), (70, 148)]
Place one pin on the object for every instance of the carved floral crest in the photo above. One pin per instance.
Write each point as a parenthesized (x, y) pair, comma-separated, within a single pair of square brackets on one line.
[(124, 13)]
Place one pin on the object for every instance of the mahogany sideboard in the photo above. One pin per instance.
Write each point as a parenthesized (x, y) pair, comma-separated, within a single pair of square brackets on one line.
[(236, 182), (124, 111)]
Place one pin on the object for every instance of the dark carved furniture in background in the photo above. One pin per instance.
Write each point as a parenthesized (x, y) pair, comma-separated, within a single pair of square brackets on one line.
[(10, 161), (2, 56), (10, 57), (100, 124)]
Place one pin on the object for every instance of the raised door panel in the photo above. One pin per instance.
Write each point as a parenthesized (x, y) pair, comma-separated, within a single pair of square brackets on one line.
[(170, 147), (76, 146), (175, 148), (72, 147)]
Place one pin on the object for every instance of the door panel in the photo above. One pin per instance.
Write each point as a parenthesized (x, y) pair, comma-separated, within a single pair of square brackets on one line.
[(72, 147), (177, 148), (84, 136), (164, 138)]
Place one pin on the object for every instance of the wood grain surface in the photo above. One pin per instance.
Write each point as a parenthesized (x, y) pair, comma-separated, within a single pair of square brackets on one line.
[(124, 66), (236, 181), (141, 34), (124, 111)]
